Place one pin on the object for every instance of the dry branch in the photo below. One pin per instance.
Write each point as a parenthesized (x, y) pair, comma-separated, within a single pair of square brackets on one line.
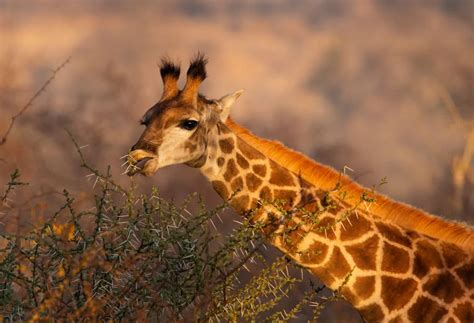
[(32, 99)]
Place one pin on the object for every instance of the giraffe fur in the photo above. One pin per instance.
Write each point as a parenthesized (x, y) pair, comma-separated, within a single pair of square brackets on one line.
[(392, 262)]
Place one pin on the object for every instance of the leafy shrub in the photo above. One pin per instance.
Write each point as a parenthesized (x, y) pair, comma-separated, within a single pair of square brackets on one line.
[(140, 258)]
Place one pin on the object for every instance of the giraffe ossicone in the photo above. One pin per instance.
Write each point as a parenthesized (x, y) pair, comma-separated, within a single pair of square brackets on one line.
[(398, 263)]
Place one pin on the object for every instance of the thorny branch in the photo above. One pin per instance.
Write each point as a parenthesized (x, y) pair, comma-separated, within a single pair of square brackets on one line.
[(94, 171), (132, 257), (3, 140), (12, 184)]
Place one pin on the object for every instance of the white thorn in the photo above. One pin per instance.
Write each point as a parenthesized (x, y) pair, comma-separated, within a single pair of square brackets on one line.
[(212, 222), (95, 183), (342, 224), (347, 168)]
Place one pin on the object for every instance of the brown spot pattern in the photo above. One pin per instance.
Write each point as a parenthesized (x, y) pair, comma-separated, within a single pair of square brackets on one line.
[(226, 145), (443, 286), (266, 194), (260, 170), (363, 253), (465, 312), (248, 151), (243, 163), (364, 287), (231, 170), (396, 292), (315, 253), (310, 207), (359, 227), (324, 275), (280, 176), (426, 257), (426, 310), (220, 161), (240, 203), (237, 185), (453, 255), (337, 264), (221, 189), (292, 236), (349, 295), (253, 182), (396, 319), (325, 228), (331, 205), (392, 233), (395, 259), (285, 195), (372, 313), (466, 273), (412, 235)]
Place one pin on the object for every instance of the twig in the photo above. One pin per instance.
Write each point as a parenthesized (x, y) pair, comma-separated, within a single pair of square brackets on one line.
[(32, 99), (12, 184), (93, 170), (250, 254)]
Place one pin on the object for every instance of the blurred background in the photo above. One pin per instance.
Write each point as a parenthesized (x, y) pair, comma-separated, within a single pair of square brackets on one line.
[(385, 87)]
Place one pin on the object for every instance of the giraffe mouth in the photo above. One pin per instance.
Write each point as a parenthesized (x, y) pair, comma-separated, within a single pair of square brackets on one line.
[(141, 162)]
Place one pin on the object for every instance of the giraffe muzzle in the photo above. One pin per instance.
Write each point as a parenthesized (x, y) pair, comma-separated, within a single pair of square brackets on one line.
[(142, 162)]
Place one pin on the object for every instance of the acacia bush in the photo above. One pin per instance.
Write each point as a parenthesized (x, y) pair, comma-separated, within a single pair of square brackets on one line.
[(141, 257)]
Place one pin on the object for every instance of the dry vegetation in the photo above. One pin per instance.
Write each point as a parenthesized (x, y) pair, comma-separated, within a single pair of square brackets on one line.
[(376, 85), (142, 258)]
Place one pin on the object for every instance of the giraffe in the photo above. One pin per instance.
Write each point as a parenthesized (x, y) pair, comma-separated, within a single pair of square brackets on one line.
[(395, 263)]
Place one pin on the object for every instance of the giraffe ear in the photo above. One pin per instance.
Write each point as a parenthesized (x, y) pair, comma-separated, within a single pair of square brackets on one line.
[(226, 102)]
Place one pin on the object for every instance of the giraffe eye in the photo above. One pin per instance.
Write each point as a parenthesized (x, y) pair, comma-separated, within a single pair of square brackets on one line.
[(188, 124)]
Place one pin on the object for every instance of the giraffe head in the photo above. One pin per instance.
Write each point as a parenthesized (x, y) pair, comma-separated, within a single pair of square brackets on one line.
[(178, 126)]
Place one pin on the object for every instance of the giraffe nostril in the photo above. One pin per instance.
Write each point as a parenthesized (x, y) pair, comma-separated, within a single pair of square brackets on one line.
[(146, 146)]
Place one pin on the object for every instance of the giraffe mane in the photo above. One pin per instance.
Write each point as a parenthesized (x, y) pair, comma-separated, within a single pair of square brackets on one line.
[(385, 208)]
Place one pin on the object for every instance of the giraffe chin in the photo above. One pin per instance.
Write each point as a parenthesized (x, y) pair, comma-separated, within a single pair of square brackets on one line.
[(150, 167)]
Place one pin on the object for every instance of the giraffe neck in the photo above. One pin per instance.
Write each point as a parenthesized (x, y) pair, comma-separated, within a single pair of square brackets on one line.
[(386, 272)]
